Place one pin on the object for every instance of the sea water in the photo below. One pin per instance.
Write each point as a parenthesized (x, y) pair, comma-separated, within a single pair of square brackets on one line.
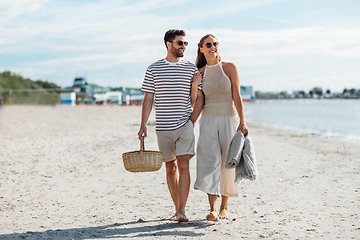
[(339, 119)]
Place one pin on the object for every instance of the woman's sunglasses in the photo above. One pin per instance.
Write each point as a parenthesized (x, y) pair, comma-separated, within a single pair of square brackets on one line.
[(182, 43), (208, 44)]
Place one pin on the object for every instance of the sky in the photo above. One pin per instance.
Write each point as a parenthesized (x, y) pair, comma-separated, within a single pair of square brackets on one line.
[(277, 45)]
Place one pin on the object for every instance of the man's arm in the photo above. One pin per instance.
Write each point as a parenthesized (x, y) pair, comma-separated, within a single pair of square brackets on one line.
[(146, 110), (199, 103)]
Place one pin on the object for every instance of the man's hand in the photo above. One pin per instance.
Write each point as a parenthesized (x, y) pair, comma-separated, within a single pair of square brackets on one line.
[(142, 132), (146, 109)]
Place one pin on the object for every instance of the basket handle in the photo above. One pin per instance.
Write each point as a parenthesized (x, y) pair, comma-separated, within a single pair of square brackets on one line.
[(142, 145)]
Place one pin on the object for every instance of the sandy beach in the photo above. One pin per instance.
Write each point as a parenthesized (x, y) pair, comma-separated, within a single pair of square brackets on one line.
[(62, 177)]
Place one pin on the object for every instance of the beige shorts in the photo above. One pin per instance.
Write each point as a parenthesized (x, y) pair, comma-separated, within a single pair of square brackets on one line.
[(177, 142)]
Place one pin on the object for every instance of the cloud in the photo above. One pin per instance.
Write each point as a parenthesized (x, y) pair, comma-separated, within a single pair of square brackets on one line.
[(12, 9), (268, 18), (259, 48), (50, 38), (60, 28), (32, 71)]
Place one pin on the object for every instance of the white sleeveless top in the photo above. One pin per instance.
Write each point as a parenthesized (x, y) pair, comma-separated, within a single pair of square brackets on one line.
[(216, 86)]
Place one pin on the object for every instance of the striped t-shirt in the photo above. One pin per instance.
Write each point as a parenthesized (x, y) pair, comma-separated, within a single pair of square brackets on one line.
[(171, 84)]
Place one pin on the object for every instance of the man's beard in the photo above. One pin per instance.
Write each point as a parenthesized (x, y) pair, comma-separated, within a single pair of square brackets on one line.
[(177, 53)]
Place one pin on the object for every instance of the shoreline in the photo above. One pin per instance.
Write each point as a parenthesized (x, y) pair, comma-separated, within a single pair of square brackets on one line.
[(323, 124), (293, 129), (63, 177)]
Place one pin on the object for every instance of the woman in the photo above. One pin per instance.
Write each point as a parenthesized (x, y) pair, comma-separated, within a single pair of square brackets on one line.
[(219, 122)]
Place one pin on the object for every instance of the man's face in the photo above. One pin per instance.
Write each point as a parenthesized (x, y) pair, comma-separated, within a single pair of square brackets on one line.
[(176, 49)]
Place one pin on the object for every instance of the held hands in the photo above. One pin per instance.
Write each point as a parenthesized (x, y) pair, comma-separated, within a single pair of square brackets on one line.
[(197, 78), (142, 132), (244, 129)]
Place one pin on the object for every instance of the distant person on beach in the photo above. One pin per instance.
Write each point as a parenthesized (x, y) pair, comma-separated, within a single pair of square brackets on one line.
[(170, 81), (219, 122)]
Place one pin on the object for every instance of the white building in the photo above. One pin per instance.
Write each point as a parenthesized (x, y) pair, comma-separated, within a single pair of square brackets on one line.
[(68, 98), (247, 93), (113, 97)]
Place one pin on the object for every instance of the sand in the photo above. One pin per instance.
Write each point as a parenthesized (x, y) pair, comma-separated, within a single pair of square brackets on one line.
[(62, 177)]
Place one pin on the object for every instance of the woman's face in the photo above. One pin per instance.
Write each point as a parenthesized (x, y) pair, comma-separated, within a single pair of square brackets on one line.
[(210, 47)]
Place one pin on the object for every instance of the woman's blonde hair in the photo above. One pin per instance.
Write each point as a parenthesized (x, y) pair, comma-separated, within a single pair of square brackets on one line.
[(200, 58)]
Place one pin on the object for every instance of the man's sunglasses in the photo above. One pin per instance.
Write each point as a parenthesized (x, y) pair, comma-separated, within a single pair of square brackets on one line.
[(182, 43), (208, 44)]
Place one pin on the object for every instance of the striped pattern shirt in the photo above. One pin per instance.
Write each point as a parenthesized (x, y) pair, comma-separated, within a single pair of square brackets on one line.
[(171, 84)]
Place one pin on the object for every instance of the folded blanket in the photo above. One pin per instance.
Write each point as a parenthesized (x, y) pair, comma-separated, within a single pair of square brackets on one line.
[(235, 150), (241, 155)]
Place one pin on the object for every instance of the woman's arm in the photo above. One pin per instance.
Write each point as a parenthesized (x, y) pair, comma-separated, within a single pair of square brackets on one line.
[(194, 87), (232, 72), (198, 106)]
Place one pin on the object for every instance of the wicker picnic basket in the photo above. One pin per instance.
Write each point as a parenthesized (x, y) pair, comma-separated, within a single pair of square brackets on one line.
[(142, 161)]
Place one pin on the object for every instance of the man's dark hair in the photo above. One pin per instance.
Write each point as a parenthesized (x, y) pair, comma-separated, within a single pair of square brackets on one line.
[(171, 34)]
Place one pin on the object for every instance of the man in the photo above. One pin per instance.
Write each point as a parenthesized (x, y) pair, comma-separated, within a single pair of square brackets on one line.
[(169, 80)]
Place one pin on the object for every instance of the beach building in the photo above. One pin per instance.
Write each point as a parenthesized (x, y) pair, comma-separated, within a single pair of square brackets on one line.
[(99, 98), (108, 97), (68, 98), (133, 96), (247, 93), (137, 99), (81, 85), (115, 97)]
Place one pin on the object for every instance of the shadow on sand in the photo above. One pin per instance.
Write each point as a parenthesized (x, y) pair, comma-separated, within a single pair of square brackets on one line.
[(136, 229)]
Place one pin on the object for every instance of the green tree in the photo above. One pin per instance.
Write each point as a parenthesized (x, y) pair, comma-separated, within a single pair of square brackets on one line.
[(283, 93), (47, 84), (12, 81), (318, 91)]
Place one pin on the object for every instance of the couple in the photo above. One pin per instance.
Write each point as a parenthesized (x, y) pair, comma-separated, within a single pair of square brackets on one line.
[(182, 90)]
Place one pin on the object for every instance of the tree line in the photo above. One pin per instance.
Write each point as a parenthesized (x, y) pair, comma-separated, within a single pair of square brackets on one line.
[(11, 81), (316, 92)]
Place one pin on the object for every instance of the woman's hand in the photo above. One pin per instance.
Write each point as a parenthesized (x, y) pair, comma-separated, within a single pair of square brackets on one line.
[(194, 87), (197, 78), (244, 129)]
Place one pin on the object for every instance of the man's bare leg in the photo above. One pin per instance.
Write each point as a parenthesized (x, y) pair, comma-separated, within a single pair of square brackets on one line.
[(224, 207), (184, 186), (213, 215), (173, 184)]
